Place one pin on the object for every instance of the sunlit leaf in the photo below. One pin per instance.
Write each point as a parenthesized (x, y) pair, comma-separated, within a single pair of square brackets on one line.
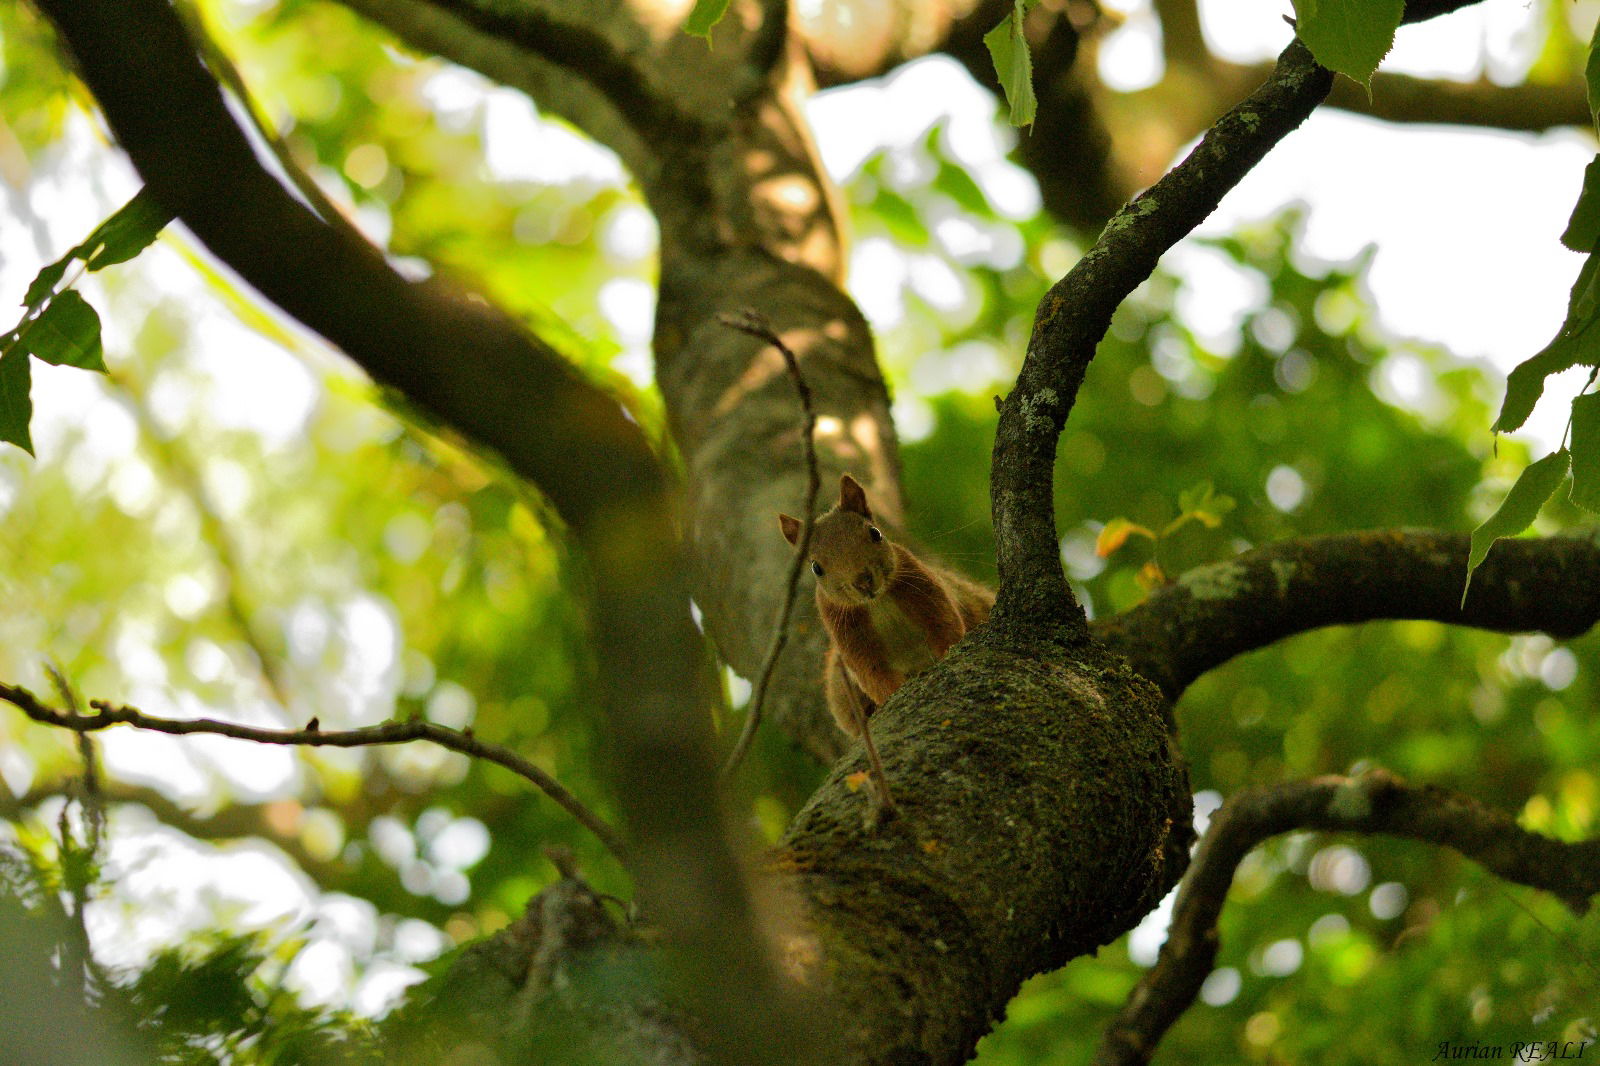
[(67, 333), (1349, 36), (1013, 65), (16, 408), (1586, 451), (1518, 510), (706, 14), (1116, 533), (1204, 502)]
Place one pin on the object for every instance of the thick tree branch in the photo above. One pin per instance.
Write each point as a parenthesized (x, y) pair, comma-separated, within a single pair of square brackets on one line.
[(1216, 612), (105, 716), (1075, 314), (479, 372), (748, 220), (1375, 802)]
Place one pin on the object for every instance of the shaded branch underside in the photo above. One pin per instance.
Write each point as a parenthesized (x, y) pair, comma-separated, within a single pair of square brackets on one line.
[(1216, 612)]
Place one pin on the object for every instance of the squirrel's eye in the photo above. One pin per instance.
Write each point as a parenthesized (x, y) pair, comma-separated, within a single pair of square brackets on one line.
[(816, 568), (872, 531)]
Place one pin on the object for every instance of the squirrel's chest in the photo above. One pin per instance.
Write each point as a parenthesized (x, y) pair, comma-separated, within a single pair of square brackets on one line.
[(904, 642)]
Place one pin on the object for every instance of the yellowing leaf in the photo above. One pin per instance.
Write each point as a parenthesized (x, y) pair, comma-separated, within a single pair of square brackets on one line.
[(1151, 576), (1115, 534)]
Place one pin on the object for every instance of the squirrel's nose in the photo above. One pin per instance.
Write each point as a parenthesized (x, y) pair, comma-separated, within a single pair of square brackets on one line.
[(865, 584)]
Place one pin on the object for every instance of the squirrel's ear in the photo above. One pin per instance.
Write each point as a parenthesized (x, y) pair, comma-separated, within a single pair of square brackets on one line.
[(791, 528), (852, 497)]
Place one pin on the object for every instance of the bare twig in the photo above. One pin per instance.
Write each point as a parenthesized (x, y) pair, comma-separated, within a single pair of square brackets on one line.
[(89, 795), (1374, 802), (756, 325), (106, 715)]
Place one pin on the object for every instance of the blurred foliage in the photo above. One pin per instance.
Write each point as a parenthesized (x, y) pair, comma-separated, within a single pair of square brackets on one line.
[(215, 999), (231, 524)]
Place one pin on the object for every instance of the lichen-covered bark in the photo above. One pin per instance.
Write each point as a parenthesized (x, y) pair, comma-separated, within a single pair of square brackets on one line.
[(1216, 612)]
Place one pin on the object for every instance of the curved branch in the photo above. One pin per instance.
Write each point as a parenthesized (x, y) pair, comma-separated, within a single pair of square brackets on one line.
[(1075, 314), (481, 373), (1375, 802), (105, 716), (1215, 612)]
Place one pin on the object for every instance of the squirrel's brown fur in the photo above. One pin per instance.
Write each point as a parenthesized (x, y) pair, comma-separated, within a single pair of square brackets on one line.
[(888, 614)]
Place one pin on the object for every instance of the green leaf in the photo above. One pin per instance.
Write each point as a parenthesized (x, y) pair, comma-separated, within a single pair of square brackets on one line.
[(129, 231), (1591, 75), (1586, 452), (1349, 36), (44, 283), (1577, 343), (1204, 504), (126, 233), (1195, 497), (1583, 229), (1518, 510), (1013, 65), (16, 409), (66, 334), (706, 14)]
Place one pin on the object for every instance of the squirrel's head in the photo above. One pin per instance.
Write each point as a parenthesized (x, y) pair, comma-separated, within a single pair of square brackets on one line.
[(850, 557)]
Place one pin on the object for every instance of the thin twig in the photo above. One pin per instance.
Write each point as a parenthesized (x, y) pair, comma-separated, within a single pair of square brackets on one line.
[(756, 325), (105, 715), (90, 795), (1376, 802), (78, 860)]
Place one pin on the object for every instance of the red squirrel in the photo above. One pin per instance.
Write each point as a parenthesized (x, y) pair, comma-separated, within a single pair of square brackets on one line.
[(888, 614)]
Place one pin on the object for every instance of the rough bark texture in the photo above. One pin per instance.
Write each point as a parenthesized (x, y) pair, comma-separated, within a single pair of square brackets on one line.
[(1216, 612), (1040, 816)]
